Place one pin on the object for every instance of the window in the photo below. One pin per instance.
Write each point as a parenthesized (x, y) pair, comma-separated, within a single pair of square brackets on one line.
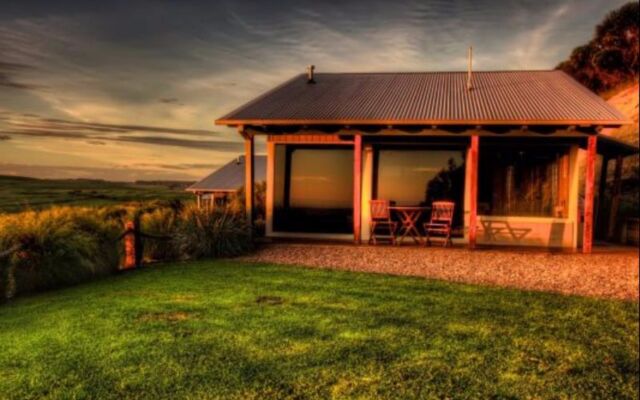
[(411, 177), (315, 193), (523, 181)]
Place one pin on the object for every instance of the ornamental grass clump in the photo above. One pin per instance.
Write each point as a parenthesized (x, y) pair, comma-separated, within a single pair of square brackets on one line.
[(54, 248), (212, 233), (160, 226)]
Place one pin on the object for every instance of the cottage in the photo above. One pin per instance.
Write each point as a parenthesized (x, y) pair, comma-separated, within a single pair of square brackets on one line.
[(504, 146), (214, 189)]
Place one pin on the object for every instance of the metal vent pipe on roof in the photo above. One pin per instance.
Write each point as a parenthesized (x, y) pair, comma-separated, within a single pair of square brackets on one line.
[(469, 86), (310, 69)]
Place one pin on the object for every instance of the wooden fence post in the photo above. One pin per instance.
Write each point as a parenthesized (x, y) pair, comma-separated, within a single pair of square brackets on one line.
[(129, 246)]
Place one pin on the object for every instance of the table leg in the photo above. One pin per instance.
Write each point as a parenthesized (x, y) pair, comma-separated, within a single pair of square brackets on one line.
[(408, 220)]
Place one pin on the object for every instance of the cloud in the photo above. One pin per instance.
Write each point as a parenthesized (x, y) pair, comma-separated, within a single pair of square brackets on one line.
[(44, 133), (9, 76), (61, 124), (5, 137), (124, 174), (30, 124), (220, 145), (100, 134), (160, 75), (178, 167), (538, 45)]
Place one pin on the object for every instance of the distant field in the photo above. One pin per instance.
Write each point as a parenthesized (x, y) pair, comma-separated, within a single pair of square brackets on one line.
[(19, 193)]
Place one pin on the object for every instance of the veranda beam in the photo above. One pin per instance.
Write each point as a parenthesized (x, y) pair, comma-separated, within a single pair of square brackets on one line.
[(589, 186)]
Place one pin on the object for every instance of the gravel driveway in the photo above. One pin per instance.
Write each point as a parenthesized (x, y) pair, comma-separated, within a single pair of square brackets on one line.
[(609, 274)]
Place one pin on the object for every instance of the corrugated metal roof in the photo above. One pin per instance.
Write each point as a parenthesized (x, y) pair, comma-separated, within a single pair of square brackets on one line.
[(230, 177), (497, 97)]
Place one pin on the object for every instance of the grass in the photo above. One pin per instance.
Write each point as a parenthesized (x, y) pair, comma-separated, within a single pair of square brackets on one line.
[(19, 193), (223, 329)]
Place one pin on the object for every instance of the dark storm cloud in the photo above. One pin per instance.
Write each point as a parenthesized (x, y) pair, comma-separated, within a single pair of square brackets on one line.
[(168, 100), (5, 137)]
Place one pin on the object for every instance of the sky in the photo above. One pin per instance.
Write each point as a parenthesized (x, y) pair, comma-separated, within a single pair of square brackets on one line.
[(129, 90)]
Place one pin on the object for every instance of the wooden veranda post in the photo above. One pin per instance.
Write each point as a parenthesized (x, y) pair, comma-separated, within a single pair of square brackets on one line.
[(357, 187), (615, 198), (589, 189), (249, 173), (473, 190)]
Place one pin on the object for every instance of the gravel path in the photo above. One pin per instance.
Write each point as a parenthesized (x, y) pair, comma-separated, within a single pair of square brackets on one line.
[(611, 274)]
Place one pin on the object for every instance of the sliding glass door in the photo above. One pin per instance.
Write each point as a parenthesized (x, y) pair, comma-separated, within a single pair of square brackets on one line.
[(419, 176), (315, 194)]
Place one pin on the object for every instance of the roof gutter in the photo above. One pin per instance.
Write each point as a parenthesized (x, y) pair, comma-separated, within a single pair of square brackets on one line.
[(308, 122)]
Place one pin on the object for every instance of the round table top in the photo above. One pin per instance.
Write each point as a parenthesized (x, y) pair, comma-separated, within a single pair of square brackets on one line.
[(410, 208)]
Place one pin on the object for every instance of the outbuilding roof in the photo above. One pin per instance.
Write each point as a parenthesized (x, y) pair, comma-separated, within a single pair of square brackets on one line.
[(230, 177), (429, 98)]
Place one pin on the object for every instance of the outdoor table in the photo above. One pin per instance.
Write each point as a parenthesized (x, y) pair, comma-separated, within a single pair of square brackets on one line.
[(409, 216)]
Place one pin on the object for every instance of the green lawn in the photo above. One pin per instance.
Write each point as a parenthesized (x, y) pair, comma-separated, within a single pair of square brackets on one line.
[(222, 329), (19, 193)]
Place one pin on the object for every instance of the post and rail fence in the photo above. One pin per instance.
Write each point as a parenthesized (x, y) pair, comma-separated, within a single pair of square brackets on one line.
[(133, 242)]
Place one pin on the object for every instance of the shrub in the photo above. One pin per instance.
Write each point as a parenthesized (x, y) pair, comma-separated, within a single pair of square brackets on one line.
[(212, 233)]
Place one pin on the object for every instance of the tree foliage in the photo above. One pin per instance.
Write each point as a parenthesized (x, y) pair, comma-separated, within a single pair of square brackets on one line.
[(611, 57)]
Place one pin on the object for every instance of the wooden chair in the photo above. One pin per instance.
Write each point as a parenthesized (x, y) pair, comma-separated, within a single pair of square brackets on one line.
[(381, 218), (440, 223)]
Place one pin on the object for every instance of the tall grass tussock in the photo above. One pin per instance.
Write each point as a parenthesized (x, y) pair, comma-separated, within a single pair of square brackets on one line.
[(56, 247), (202, 233)]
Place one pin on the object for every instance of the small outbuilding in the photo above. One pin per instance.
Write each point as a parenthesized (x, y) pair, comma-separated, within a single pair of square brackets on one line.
[(215, 189)]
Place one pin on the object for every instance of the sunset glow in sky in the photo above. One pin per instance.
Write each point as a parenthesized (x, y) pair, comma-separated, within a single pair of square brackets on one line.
[(129, 90)]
